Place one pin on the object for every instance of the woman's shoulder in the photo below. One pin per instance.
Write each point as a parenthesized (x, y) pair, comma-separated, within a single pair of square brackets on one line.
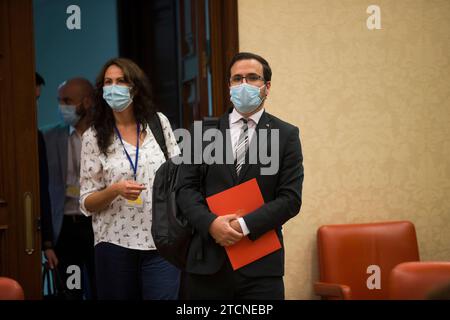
[(90, 134), (162, 117), (165, 122)]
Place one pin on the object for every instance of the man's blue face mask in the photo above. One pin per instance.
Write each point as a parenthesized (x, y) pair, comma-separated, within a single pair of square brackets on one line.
[(245, 97), (69, 114)]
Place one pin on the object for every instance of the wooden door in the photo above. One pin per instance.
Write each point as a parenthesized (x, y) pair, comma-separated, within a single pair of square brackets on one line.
[(224, 45), (208, 39), (148, 36), (20, 253), (185, 47), (193, 60)]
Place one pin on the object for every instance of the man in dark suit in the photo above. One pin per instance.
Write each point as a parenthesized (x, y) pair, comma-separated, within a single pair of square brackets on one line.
[(209, 273)]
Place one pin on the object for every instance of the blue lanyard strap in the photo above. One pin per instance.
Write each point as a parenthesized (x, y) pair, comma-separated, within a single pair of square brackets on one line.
[(135, 165)]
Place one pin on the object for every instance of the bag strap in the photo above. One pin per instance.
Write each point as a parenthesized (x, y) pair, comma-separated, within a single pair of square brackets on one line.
[(207, 123), (158, 133)]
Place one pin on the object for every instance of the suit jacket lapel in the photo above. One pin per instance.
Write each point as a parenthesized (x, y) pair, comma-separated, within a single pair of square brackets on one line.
[(263, 123)]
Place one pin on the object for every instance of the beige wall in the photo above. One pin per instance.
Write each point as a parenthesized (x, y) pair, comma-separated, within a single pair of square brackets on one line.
[(373, 109)]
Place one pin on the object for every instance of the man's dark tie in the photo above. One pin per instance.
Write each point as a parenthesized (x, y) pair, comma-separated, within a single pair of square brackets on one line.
[(242, 146)]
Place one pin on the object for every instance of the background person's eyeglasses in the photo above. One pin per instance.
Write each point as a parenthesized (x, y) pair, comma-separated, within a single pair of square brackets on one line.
[(251, 78)]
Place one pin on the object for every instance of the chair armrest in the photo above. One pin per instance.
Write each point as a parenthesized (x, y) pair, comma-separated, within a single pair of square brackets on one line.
[(333, 290)]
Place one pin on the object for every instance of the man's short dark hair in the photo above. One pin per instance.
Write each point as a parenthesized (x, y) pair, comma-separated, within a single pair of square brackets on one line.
[(39, 80), (267, 72)]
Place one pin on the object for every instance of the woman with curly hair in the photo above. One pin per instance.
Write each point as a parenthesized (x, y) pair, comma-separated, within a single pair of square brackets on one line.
[(119, 158)]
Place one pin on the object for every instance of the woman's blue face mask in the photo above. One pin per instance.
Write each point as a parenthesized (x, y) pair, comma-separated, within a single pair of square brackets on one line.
[(117, 97)]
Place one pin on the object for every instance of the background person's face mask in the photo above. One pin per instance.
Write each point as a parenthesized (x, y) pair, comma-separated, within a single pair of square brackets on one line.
[(69, 114), (245, 97), (117, 97)]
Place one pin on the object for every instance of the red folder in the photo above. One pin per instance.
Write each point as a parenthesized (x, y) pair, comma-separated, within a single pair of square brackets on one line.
[(240, 200)]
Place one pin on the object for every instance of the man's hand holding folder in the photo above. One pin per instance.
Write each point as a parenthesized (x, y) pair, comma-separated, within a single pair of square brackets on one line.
[(239, 201), (223, 232)]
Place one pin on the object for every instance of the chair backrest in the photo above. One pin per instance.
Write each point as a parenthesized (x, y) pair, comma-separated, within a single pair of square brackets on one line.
[(361, 256), (417, 280), (10, 289)]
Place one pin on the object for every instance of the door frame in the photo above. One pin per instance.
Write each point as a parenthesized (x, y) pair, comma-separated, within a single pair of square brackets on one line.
[(20, 256)]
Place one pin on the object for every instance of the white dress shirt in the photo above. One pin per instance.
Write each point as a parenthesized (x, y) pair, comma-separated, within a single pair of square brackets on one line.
[(235, 131), (72, 201)]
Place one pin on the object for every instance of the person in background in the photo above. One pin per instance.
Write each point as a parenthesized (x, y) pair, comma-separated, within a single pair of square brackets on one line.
[(119, 159), (72, 230)]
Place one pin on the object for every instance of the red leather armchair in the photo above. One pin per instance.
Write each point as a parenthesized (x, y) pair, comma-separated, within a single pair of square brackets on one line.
[(350, 254), (10, 289), (419, 280)]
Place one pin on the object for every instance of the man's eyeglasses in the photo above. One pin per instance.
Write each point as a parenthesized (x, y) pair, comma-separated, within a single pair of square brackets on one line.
[(251, 78)]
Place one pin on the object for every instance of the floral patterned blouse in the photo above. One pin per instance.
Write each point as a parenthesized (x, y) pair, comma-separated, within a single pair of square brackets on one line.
[(121, 224)]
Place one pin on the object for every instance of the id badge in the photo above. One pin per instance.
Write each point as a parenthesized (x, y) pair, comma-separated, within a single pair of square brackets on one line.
[(138, 203), (73, 191)]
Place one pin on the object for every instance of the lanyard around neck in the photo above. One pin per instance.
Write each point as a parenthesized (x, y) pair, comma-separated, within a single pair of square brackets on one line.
[(135, 165)]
